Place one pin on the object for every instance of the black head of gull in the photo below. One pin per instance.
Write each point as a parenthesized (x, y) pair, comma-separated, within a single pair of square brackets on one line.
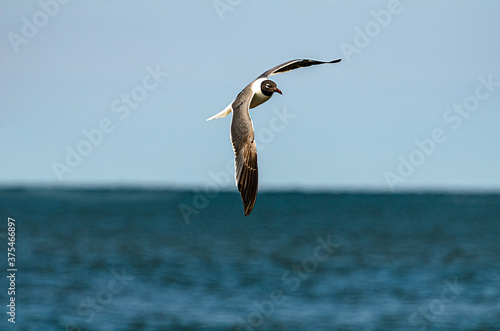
[(268, 87)]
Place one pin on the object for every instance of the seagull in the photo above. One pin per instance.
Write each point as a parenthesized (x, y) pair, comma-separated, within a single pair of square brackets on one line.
[(242, 132)]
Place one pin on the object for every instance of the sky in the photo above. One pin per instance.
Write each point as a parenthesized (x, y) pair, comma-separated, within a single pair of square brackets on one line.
[(117, 93)]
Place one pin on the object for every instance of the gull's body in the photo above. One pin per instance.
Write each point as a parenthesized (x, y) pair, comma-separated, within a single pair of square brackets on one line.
[(242, 132)]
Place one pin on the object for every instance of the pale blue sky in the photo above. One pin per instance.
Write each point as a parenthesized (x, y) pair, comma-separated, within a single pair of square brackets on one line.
[(353, 122)]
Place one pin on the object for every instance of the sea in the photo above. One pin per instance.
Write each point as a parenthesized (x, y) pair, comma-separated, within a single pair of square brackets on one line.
[(174, 259)]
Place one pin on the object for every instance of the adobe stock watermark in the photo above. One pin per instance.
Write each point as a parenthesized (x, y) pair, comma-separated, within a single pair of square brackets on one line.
[(96, 304), (429, 311), (31, 26), (291, 281), (121, 108), (372, 29), (223, 6), (221, 179), (454, 117)]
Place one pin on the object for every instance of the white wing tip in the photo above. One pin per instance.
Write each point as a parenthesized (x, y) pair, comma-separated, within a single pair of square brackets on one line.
[(222, 114)]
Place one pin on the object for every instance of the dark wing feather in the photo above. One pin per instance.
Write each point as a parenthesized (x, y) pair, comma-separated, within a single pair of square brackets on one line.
[(248, 179), (292, 65), (245, 150)]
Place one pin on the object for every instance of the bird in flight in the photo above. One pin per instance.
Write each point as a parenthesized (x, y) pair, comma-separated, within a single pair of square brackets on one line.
[(242, 132)]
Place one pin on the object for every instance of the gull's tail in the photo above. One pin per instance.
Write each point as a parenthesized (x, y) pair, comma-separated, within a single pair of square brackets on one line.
[(223, 113)]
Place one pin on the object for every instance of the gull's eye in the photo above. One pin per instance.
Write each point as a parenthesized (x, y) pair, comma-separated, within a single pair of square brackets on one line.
[(268, 86)]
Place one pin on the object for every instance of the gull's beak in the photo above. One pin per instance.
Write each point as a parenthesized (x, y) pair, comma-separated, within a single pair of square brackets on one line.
[(279, 91)]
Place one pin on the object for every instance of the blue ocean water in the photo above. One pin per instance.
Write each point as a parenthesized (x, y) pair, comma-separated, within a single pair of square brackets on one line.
[(131, 259)]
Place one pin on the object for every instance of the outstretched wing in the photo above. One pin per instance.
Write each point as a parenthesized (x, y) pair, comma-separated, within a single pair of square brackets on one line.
[(292, 65), (245, 150)]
